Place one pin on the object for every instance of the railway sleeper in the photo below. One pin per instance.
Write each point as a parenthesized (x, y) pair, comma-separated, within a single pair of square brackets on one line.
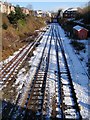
[(39, 79), (38, 86), (37, 90), (39, 83), (40, 72), (67, 84), (70, 107), (37, 76), (36, 108), (37, 94), (39, 98), (36, 103), (64, 72)]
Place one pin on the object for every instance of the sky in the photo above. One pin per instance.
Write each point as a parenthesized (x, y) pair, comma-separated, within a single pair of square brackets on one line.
[(49, 5)]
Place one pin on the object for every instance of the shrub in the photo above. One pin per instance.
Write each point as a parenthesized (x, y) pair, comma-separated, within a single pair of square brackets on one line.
[(5, 26), (12, 18), (17, 15), (77, 45)]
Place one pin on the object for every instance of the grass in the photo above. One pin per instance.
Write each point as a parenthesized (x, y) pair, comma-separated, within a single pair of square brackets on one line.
[(21, 22)]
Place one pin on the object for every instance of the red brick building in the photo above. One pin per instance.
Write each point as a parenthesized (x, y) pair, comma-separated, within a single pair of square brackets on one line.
[(80, 32)]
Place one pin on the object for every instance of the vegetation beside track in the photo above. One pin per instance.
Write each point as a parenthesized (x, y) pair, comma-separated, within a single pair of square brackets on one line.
[(16, 28)]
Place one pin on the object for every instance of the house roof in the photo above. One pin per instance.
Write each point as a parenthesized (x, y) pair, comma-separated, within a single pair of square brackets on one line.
[(78, 28), (72, 9)]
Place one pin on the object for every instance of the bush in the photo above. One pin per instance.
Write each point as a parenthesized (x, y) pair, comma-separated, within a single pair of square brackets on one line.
[(5, 26), (21, 22), (77, 45), (14, 17)]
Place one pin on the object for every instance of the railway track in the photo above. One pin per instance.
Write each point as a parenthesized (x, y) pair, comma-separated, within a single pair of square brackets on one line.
[(35, 98), (6, 66), (71, 108), (37, 93), (51, 94), (14, 109), (9, 70)]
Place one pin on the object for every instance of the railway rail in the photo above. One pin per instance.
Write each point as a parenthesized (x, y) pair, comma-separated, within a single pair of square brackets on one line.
[(9, 70), (69, 110), (35, 97), (41, 103), (15, 107)]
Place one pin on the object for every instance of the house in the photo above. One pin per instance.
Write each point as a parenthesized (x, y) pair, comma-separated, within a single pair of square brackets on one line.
[(31, 12), (60, 13), (12, 8), (54, 15), (80, 32), (39, 13), (1, 7), (6, 7), (25, 10), (48, 14), (70, 13)]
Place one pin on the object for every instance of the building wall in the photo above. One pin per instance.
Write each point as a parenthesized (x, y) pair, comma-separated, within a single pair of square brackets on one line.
[(1, 6), (69, 14), (6, 7), (39, 13), (31, 12), (13, 8), (27, 11), (9, 10), (82, 34)]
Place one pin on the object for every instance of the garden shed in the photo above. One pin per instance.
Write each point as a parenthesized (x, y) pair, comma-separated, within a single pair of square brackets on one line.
[(80, 32)]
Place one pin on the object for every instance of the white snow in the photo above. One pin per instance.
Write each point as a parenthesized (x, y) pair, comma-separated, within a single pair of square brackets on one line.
[(78, 28), (34, 60), (79, 76)]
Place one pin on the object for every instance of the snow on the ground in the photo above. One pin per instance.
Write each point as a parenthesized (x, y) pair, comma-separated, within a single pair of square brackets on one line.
[(34, 61), (51, 73), (15, 53), (84, 55), (22, 78), (10, 57), (80, 79), (79, 76)]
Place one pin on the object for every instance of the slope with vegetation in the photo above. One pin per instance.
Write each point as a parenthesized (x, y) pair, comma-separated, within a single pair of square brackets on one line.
[(16, 27)]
